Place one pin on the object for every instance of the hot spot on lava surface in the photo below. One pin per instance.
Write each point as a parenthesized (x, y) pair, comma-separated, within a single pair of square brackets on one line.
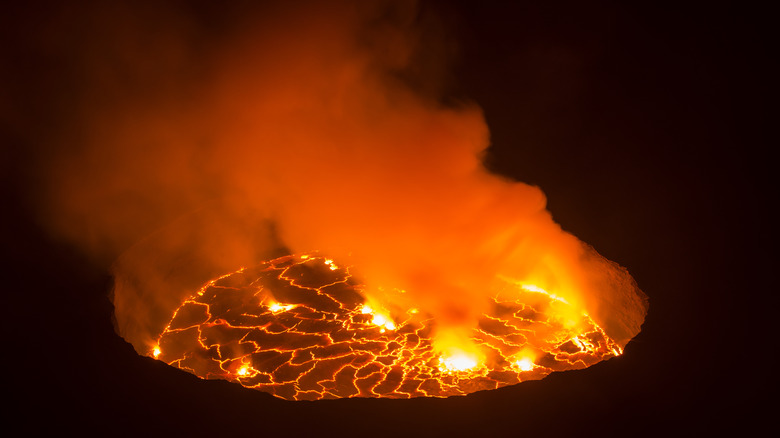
[(299, 328)]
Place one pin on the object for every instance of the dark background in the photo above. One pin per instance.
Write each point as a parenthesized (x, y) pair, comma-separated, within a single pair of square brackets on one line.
[(645, 125)]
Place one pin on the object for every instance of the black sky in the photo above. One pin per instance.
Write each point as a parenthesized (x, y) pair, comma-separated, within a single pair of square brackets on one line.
[(645, 126)]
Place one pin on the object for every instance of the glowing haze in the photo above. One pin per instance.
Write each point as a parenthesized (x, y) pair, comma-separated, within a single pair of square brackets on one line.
[(305, 128)]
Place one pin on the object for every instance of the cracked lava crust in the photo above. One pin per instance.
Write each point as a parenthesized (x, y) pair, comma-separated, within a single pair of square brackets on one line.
[(300, 328)]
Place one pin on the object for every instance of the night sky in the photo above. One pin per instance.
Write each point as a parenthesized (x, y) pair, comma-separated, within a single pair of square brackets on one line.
[(644, 124)]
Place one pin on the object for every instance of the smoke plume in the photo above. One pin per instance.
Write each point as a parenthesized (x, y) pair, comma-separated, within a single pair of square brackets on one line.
[(206, 140)]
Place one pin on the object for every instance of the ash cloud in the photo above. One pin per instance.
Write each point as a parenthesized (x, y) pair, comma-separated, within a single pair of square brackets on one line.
[(203, 140)]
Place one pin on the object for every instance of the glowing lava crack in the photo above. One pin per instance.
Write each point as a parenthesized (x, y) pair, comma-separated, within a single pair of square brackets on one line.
[(299, 328)]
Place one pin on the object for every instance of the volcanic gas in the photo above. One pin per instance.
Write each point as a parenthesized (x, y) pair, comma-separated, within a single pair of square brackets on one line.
[(293, 200)]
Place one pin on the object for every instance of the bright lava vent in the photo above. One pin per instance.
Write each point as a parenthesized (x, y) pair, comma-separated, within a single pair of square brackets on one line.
[(300, 328)]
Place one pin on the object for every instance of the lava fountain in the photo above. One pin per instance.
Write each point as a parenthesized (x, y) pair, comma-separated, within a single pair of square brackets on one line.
[(325, 224)]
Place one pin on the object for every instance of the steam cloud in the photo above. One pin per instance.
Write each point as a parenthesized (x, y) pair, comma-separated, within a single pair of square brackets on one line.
[(204, 145)]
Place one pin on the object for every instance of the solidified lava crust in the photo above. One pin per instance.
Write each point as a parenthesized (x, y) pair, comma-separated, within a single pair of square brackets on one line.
[(298, 327)]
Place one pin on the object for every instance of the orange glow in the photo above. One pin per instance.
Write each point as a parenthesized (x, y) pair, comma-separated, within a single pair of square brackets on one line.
[(380, 319), (534, 288), (276, 307), (457, 363), (525, 364)]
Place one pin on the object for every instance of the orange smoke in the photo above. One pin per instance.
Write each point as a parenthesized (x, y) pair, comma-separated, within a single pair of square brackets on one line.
[(303, 128)]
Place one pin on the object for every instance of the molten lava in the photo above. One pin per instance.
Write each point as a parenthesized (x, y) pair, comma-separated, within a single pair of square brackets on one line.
[(299, 327)]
